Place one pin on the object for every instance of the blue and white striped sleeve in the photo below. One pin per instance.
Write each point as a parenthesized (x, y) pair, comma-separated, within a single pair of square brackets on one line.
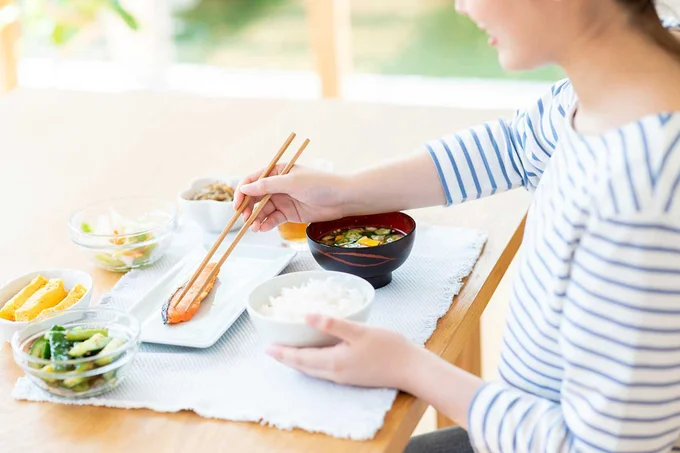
[(620, 343), (502, 154)]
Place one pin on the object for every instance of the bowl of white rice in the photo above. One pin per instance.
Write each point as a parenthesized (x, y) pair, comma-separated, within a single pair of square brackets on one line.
[(278, 307)]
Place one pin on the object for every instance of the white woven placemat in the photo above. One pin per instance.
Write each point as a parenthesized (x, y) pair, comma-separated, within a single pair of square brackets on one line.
[(235, 380)]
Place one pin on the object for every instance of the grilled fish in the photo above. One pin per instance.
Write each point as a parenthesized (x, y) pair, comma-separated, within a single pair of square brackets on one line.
[(174, 311)]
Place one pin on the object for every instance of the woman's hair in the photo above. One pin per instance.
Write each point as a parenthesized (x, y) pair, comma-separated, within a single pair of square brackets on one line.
[(644, 14)]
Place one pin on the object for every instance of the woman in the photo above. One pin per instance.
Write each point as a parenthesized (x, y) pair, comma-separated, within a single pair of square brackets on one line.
[(591, 351)]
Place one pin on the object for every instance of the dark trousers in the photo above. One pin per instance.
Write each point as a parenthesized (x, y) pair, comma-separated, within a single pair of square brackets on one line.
[(449, 440)]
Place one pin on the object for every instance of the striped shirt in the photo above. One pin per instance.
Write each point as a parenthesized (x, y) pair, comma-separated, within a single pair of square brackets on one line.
[(591, 349)]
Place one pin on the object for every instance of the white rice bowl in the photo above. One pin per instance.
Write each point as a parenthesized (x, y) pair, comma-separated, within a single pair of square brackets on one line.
[(277, 307), (329, 297)]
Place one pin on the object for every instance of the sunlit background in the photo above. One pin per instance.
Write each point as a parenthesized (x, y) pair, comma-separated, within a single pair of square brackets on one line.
[(407, 51)]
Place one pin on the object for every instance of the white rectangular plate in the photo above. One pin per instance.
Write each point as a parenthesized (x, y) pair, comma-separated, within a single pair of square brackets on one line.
[(247, 267)]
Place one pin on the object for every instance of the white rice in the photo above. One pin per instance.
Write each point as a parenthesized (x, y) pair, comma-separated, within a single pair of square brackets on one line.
[(327, 297)]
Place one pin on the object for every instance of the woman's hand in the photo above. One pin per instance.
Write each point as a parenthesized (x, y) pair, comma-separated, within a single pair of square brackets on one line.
[(367, 356), (301, 196), (372, 357), (306, 195)]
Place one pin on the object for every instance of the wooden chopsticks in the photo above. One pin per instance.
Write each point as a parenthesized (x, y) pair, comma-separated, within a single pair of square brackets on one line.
[(247, 224)]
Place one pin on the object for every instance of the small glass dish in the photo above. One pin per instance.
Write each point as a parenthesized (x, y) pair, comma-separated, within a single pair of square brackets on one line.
[(84, 376), (124, 234)]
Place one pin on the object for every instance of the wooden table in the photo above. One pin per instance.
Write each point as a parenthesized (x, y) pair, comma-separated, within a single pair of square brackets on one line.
[(61, 150)]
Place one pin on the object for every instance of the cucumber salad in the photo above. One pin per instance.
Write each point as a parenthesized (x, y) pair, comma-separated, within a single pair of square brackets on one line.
[(60, 344)]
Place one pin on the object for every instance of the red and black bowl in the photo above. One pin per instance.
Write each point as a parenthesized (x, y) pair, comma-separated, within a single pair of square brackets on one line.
[(375, 264)]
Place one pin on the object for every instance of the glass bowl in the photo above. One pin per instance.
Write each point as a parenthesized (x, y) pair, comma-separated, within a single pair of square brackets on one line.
[(124, 234), (79, 377)]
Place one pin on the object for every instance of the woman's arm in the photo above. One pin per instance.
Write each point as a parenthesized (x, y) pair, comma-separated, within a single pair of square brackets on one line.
[(445, 387), (375, 357), (471, 164), (474, 163), (402, 184)]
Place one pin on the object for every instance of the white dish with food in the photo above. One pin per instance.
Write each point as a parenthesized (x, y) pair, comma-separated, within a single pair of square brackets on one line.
[(210, 203), (278, 307), (37, 293), (247, 267)]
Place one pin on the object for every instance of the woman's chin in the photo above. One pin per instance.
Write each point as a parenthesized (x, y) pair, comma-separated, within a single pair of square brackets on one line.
[(512, 62)]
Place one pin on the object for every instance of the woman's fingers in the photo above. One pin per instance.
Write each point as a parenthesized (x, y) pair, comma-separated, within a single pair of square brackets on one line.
[(318, 373), (307, 358), (262, 215), (282, 206), (256, 190), (247, 212), (240, 196), (345, 330), (273, 220), (270, 185), (279, 209)]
